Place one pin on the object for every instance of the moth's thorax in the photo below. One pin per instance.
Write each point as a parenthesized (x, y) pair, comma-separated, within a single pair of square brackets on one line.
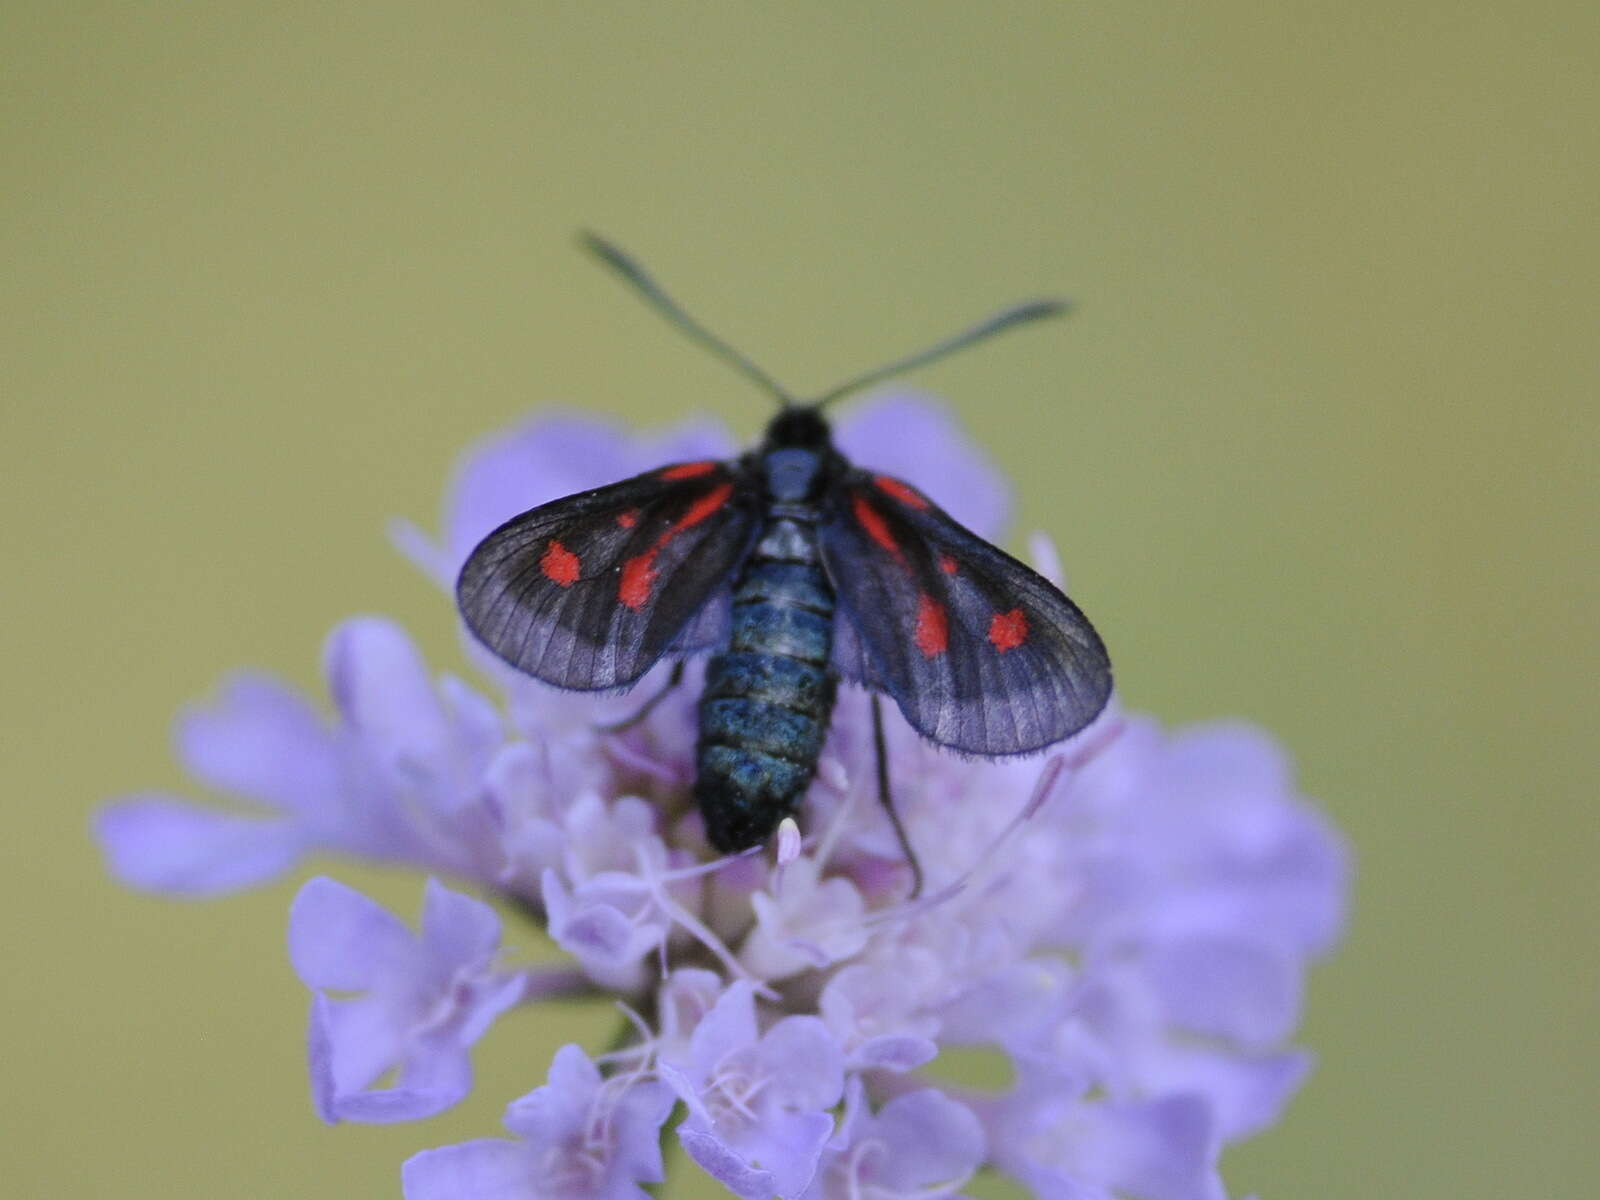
[(792, 475), (796, 459)]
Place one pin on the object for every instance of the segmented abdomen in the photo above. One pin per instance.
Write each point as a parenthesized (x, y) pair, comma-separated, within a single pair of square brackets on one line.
[(767, 700)]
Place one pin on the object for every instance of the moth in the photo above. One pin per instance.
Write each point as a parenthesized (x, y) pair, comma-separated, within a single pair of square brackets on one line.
[(794, 569)]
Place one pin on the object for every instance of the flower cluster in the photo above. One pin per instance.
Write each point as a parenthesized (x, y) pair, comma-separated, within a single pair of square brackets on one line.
[(1127, 919)]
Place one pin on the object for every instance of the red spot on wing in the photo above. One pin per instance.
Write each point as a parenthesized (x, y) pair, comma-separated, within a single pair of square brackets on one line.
[(628, 519), (933, 627), (698, 511), (947, 564), (1008, 630), (639, 572), (560, 565), (638, 578), (689, 470), (902, 492), (872, 521)]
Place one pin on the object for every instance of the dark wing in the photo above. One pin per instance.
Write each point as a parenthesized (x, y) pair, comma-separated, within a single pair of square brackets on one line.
[(589, 591), (982, 654)]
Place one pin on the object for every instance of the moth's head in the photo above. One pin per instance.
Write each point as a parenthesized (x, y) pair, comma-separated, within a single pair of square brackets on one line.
[(799, 425)]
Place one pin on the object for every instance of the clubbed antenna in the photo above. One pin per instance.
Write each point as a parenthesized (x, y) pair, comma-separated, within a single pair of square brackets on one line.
[(646, 286), (672, 311)]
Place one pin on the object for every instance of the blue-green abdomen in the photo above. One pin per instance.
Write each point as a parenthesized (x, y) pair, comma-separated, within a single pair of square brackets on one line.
[(768, 697)]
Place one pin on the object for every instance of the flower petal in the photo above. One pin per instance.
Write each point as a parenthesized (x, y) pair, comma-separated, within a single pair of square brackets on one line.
[(686, 996), (806, 923), (340, 939), (1224, 760), (788, 1146), (457, 930), (729, 1026), (164, 845), (1161, 1150), (893, 1052), (1228, 987), (349, 1045), (1246, 1094), (488, 1003), (319, 1059), (803, 1061), (415, 544), (551, 1114), (437, 1076), (487, 1169), (262, 741), (928, 1139), (636, 1122), (596, 933), (726, 1167), (479, 726), (382, 688)]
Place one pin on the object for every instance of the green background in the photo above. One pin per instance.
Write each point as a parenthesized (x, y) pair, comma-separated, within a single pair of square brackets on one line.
[(1318, 449)]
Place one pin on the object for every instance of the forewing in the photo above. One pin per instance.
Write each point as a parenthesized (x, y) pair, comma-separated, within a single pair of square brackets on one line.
[(589, 591), (982, 654)]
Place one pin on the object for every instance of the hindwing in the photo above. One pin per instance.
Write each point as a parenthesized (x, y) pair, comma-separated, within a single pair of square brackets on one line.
[(981, 653), (589, 591)]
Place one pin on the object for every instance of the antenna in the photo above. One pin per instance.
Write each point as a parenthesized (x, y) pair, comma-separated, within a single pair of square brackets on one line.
[(658, 299), (1021, 314)]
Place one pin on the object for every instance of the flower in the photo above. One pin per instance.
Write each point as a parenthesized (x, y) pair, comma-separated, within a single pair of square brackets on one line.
[(919, 1146), (581, 1137), (1127, 919), (397, 777), (758, 1101), (425, 999)]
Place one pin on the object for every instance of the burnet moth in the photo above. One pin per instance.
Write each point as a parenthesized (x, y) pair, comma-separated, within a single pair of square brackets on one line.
[(794, 569)]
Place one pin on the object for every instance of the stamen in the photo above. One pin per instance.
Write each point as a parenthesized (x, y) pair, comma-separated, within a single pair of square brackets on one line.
[(838, 779), (853, 1169), (736, 1091), (1043, 788), (646, 1038), (631, 756), (699, 931), (680, 873), (788, 842)]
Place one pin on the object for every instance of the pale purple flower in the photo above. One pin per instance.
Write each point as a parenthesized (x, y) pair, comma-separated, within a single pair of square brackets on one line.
[(805, 922), (580, 1137), (424, 998), (921, 1145), (758, 1102), (397, 776), (1050, 1134), (608, 925), (1128, 919)]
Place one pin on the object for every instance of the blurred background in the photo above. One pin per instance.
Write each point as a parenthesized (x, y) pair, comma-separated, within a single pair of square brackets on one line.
[(1318, 450)]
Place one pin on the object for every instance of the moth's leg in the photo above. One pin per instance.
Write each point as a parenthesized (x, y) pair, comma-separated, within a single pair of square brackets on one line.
[(887, 800), (643, 711)]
